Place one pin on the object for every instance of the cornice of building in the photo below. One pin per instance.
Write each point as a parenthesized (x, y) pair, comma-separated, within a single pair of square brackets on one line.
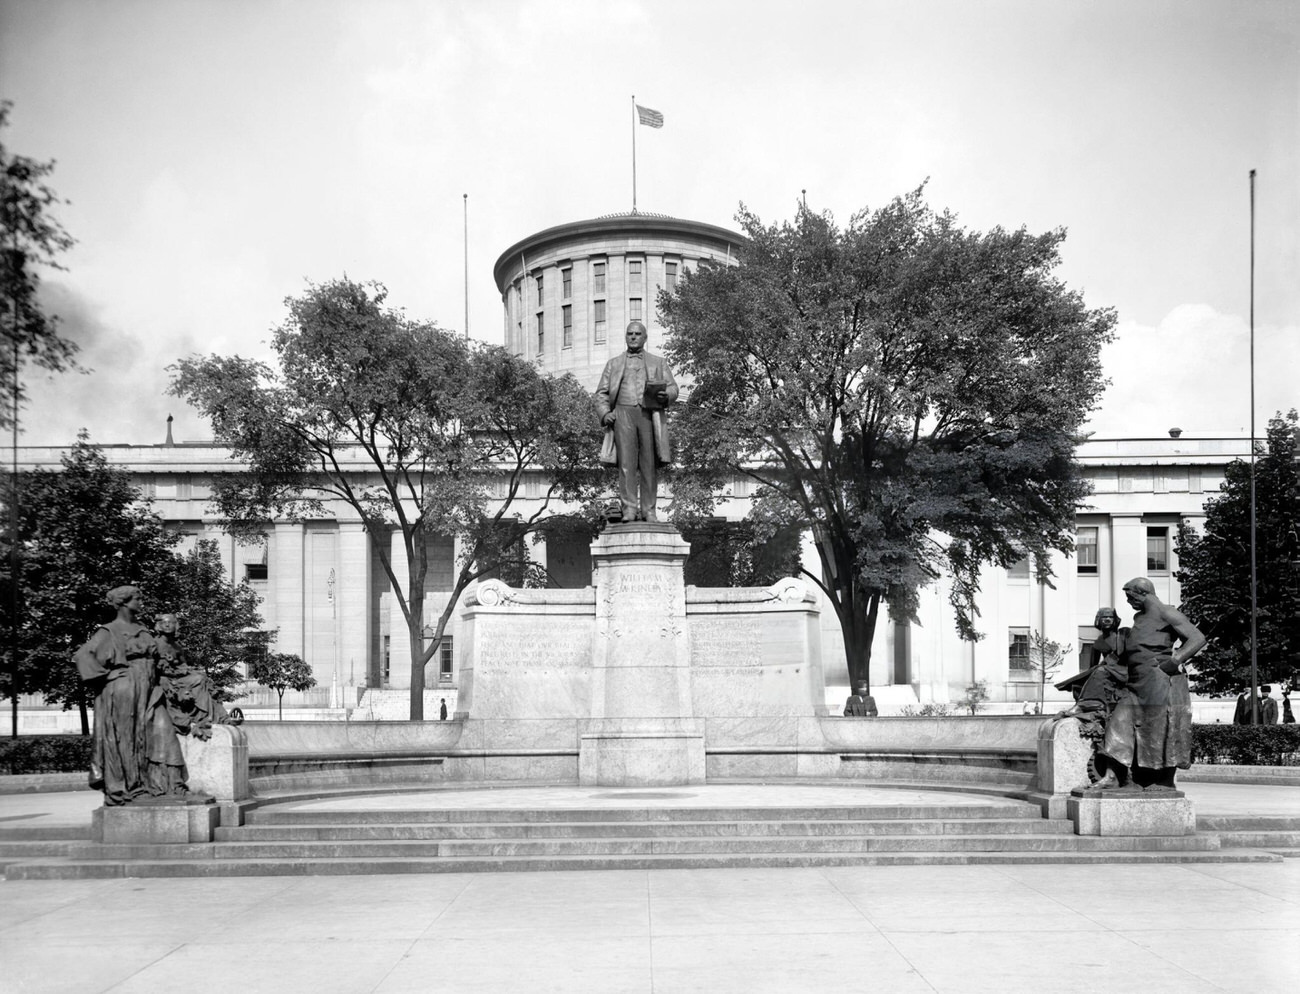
[(210, 457), (631, 225)]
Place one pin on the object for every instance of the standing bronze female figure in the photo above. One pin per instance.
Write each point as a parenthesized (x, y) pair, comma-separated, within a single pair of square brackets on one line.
[(117, 664)]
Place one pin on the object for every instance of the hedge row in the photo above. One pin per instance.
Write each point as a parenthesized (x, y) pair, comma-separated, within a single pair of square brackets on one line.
[(1246, 745), (45, 754)]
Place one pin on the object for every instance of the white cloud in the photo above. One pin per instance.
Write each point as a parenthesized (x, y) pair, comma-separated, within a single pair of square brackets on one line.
[(1192, 371)]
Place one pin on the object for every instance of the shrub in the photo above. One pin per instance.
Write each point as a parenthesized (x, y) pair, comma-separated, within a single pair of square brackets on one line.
[(1246, 745), (976, 694), (45, 754), (925, 711)]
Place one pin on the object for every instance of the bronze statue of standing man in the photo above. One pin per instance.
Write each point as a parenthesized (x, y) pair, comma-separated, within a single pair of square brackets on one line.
[(632, 397)]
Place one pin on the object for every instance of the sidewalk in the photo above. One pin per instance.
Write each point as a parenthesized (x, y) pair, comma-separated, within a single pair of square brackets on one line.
[(1207, 928), (1154, 928)]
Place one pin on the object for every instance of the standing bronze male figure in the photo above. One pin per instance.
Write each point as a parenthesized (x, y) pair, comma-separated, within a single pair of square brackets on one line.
[(634, 392), (1149, 735)]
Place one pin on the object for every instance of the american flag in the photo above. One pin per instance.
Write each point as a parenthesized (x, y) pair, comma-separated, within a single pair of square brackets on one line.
[(649, 117)]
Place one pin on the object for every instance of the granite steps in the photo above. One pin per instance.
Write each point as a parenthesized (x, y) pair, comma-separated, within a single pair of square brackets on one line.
[(309, 842), (1277, 834), (73, 869)]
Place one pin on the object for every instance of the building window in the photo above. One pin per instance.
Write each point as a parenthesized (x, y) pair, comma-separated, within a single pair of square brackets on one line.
[(1019, 570), (670, 276), (539, 289), (635, 273), (541, 333), (597, 277), (600, 320), (1085, 548), (566, 313), (1158, 550), (444, 660), (1018, 648), (255, 572), (634, 309), (566, 283), (388, 658)]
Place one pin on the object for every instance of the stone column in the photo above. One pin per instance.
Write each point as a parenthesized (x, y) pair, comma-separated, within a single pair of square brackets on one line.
[(643, 732), (353, 604), (286, 582), (399, 638), (1128, 545), (536, 551)]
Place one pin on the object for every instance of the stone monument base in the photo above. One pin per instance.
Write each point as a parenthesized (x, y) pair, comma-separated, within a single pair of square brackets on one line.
[(1131, 814), (154, 824), (642, 752), (219, 765)]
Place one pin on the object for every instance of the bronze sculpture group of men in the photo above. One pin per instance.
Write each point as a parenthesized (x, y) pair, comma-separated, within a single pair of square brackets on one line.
[(146, 695), (1135, 703)]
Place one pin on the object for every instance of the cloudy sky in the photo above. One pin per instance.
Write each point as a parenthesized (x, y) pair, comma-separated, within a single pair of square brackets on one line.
[(217, 155)]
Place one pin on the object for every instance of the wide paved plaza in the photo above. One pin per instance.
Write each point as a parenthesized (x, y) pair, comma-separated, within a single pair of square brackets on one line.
[(1001, 928), (1151, 928)]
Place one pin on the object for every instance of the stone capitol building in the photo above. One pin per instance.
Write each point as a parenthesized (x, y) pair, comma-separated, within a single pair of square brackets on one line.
[(567, 294)]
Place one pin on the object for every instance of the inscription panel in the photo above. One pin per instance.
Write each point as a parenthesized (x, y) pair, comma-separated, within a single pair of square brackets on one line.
[(532, 668), (535, 646), (730, 643)]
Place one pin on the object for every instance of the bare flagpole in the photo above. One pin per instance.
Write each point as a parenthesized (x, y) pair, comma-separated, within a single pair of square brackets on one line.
[(634, 153), (466, 265), (1254, 605), (14, 260)]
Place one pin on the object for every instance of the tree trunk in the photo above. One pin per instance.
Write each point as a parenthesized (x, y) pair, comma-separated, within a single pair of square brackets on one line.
[(858, 614), (415, 632), (282, 705)]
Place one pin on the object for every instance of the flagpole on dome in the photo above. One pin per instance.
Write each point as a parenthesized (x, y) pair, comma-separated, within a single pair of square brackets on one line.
[(651, 119)]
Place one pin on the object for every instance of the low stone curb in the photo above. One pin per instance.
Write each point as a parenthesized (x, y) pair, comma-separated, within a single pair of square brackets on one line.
[(42, 783), (1275, 776)]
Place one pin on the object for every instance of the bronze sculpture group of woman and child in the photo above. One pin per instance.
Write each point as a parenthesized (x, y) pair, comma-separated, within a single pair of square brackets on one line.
[(1135, 703), (146, 695)]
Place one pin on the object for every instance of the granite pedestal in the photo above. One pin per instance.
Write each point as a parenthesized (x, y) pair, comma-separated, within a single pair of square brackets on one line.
[(154, 824), (1125, 813), (218, 765), (643, 731)]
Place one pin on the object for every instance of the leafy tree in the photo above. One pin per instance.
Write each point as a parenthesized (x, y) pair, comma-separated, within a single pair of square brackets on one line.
[(740, 553), (30, 239), (410, 426), (86, 529), (83, 530), (282, 671), (221, 624), (1045, 658), (909, 388), (1214, 569), (976, 694)]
